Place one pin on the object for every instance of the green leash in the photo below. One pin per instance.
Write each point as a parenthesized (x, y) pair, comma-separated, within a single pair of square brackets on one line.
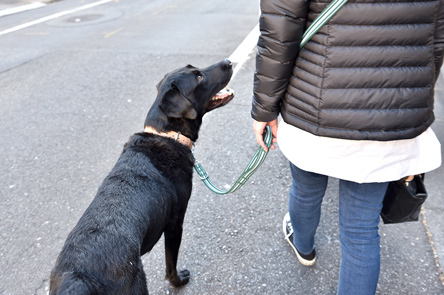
[(321, 20), (261, 154), (256, 161)]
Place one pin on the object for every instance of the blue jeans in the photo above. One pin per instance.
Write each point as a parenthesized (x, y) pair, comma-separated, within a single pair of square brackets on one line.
[(359, 209)]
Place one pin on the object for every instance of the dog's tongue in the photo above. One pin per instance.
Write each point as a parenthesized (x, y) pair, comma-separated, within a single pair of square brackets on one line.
[(224, 93)]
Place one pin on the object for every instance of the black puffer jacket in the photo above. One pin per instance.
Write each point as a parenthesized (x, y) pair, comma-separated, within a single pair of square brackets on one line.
[(368, 74)]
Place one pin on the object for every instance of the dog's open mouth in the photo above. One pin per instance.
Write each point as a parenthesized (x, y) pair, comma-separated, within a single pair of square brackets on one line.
[(221, 98)]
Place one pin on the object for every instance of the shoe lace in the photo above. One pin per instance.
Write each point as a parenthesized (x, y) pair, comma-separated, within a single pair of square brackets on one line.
[(289, 229)]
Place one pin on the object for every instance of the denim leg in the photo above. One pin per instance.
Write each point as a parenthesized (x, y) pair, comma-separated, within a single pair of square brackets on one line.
[(359, 209), (306, 193)]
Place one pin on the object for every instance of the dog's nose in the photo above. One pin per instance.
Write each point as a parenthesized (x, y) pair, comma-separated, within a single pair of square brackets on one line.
[(227, 62)]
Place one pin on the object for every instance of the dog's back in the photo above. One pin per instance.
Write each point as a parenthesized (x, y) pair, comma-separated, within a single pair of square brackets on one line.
[(136, 202)]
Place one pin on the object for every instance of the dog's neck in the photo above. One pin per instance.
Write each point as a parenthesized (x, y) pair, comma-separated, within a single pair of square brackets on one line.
[(172, 134)]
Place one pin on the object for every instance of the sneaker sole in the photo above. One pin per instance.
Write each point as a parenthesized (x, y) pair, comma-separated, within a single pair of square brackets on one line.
[(302, 260)]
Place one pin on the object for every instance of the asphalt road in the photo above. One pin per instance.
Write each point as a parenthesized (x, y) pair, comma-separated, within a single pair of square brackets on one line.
[(73, 90)]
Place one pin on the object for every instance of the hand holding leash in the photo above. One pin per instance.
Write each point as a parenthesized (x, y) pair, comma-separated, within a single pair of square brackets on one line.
[(259, 129)]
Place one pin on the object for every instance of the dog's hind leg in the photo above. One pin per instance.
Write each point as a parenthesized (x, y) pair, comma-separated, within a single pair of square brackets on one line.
[(76, 283), (139, 286), (172, 245)]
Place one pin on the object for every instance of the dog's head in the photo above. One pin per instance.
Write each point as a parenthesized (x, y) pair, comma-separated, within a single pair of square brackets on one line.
[(186, 94)]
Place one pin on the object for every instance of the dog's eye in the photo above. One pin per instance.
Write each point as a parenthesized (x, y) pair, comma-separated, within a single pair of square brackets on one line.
[(199, 78)]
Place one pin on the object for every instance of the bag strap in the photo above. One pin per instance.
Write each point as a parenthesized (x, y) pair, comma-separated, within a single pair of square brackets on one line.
[(322, 19)]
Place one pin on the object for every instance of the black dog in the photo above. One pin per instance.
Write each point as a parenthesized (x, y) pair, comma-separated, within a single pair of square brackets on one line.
[(146, 193)]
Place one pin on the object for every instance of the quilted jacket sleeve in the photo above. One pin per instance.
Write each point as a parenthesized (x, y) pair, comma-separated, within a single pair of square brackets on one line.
[(439, 38), (282, 23)]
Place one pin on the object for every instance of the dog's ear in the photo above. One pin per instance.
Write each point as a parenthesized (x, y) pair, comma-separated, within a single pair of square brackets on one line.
[(175, 105)]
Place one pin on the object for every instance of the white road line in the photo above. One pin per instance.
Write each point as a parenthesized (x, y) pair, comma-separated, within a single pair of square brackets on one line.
[(242, 52), (239, 56), (21, 8), (44, 19)]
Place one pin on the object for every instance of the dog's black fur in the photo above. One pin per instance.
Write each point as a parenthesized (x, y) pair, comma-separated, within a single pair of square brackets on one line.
[(146, 194)]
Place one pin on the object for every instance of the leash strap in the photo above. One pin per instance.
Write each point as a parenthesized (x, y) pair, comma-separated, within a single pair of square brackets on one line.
[(255, 163), (261, 154)]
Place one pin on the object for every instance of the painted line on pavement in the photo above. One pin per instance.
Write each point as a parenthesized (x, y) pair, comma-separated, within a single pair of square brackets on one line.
[(21, 8), (44, 19), (242, 52)]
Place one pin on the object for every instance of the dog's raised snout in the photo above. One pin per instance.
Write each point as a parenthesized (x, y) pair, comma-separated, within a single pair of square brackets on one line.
[(227, 62)]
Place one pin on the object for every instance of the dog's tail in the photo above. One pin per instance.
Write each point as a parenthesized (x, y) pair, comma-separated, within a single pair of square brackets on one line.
[(78, 284)]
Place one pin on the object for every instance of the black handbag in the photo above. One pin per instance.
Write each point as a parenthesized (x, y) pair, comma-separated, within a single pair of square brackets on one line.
[(403, 200)]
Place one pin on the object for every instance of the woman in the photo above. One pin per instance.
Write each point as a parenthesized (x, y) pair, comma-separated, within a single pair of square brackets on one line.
[(357, 104)]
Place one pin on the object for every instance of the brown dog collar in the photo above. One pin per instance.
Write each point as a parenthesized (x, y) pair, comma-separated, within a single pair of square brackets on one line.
[(173, 135)]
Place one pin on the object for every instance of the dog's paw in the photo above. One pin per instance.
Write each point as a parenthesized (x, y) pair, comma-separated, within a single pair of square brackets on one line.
[(181, 278)]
